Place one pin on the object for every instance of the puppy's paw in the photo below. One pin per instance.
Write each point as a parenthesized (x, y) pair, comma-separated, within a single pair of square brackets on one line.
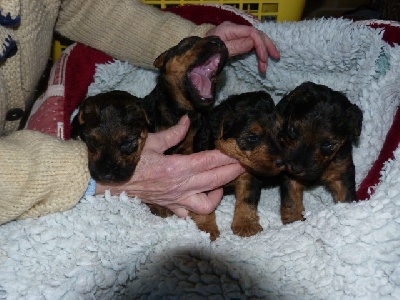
[(214, 233), (206, 223), (290, 214), (246, 228), (212, 229)]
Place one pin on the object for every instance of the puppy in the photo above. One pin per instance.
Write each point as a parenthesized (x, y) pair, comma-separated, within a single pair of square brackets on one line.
[(246, 127), (114, 127), (186, 84), (319, 127)]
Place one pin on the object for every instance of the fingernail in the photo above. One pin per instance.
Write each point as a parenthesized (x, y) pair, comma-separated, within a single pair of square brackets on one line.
[(183, 120)]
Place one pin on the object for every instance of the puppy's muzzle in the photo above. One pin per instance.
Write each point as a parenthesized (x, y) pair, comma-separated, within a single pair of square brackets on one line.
[(109, 171)]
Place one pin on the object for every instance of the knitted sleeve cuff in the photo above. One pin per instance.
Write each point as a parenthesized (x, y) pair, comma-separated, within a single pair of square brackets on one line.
[(40, 174), (91, 190)]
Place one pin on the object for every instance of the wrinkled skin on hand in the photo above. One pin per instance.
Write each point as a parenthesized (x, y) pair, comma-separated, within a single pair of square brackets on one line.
[(240, 39), (181, 183)]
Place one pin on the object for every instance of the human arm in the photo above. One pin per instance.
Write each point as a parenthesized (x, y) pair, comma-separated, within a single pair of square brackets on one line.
[(40, 174), (178, 182), (125, 29), (138, 33)]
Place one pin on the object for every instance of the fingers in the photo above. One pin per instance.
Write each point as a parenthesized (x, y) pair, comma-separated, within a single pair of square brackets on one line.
[(271, 47), (168, 138), (200, 162), (264, 47), (241, 39), (181, 212), (215, 178), (201, 203), (246, 44), (215, 198)]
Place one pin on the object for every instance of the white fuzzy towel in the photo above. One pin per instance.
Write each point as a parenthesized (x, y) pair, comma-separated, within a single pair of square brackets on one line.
[(114, 248)]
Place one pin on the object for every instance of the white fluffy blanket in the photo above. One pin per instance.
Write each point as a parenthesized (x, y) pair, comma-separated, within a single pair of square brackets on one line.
[(114, 248)]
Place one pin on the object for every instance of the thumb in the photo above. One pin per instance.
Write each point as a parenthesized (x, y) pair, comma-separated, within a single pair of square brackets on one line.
[(170, 137)]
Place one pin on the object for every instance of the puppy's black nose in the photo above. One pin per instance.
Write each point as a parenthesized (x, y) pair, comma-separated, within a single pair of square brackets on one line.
[(106, 177)]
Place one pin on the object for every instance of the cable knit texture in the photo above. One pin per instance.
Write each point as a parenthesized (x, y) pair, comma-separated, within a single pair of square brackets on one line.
[(125, 29), (51, 180)]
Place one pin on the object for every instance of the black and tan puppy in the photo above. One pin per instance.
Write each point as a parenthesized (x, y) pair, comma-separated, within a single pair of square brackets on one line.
[(186, 84), (319, 128), (246, 127), (114, 127)]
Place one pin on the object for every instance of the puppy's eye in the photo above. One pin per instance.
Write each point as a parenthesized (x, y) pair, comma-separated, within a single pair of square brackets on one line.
[(328, 147), (92, 142), (291, 132), (129, 146), (252, 138)]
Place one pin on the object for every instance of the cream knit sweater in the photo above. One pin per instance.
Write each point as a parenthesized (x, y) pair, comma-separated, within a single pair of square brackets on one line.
[(40, 174)]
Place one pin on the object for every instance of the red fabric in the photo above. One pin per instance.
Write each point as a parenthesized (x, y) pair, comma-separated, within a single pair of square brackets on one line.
[(80, 70), (391, 143), (391, 35), (47, 115)]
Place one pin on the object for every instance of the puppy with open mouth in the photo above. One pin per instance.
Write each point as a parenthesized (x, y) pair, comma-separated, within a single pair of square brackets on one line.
[(186, 85)]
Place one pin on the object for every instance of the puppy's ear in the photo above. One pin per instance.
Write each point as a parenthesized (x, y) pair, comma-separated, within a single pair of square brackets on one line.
[(159, 61), (266, 104), (216, 118), (89, 108), (354, 116), (78, 121), (232, 126), (146, 116), (89, 113), (282, 104), (76, 126)]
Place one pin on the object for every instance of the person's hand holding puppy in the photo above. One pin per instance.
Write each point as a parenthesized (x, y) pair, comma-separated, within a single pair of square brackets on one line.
[(181, 183), (240, 39)]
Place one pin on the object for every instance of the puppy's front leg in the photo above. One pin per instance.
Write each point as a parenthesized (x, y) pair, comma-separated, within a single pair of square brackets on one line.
[(292, 207), (207, 223), (339, 178), (246, 220)]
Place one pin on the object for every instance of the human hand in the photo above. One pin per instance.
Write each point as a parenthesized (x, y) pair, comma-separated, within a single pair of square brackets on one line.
[(181, 183), (240, 39)]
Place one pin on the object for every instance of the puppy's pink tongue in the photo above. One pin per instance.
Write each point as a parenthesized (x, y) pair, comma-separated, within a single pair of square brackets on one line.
[(202, 83)]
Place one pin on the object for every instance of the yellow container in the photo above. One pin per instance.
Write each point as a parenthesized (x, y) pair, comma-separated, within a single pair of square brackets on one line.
[(58, 47), (264, 10)]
